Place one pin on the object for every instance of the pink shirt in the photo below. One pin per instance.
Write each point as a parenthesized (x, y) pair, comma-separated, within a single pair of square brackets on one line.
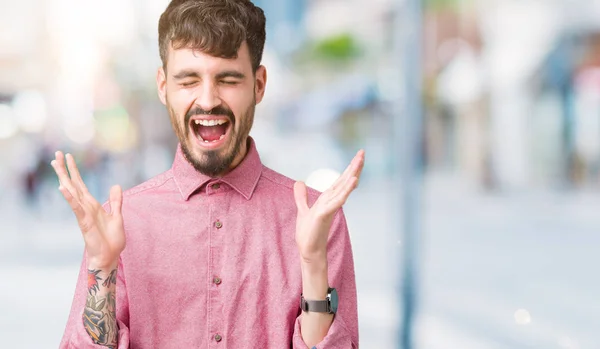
[(217, 256)]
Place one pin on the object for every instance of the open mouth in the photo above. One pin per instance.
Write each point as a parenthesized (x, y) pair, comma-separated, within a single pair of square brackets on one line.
[(210, 132)]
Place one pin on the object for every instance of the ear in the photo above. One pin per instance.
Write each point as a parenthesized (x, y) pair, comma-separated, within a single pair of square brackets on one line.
[(161, 84), (261, 83)]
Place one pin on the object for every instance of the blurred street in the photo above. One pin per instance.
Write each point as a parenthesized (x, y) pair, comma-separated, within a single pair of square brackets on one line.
[(500, 99), (486, 257)]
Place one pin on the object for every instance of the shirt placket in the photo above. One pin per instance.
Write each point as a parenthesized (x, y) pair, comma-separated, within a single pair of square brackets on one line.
[(216, 324)]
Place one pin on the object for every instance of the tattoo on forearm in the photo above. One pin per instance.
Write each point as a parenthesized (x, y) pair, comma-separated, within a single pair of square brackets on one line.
[(99, 315), (111, 279), (93, 282)]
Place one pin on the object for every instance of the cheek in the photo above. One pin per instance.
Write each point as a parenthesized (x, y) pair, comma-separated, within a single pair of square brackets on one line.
[(180, 103), (238, 101)]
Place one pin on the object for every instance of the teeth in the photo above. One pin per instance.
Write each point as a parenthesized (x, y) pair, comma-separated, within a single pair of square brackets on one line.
[(210, 122), (216, 140)]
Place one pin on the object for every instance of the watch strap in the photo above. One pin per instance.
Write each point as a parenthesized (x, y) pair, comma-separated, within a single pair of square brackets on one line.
[(318, 306), (315, 306)]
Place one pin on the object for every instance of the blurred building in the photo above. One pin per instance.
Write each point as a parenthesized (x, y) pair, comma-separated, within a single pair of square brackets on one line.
[(285, 24), (490, 113)]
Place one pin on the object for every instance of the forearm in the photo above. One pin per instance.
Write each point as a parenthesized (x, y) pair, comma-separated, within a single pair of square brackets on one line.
[(99, 314), (314, 287)]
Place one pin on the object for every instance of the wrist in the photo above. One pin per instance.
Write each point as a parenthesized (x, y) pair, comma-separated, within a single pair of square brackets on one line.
[(315, 258), (315, 279), (314, 265), (98, 264)]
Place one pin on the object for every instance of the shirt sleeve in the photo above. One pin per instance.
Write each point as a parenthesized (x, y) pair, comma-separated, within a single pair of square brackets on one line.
[(75, 335), (343, 333)]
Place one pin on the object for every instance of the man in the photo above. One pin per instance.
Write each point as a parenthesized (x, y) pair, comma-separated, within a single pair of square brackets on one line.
[(221, 251)]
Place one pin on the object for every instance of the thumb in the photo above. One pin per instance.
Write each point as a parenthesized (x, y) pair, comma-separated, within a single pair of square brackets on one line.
[(116, 200), (301, 197)]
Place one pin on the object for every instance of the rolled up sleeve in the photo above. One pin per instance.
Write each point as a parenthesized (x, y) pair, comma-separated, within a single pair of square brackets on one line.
[(338, 337), (343, 333), (75, 335)]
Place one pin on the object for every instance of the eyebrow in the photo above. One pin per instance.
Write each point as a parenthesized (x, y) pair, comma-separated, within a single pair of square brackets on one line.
[(222, 75), (230, 74), (186, 74)]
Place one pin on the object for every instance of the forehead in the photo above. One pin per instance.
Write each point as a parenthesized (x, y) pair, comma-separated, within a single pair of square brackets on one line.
[(192, 59)]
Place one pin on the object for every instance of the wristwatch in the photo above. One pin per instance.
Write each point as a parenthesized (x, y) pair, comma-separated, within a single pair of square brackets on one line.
[(329, 305)]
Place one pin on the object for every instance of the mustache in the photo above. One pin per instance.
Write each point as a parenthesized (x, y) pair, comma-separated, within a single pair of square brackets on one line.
[(218, 110)]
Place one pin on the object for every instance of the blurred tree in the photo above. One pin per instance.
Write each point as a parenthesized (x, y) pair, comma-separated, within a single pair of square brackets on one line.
[(434, 5), (336, 50), (339, 47)]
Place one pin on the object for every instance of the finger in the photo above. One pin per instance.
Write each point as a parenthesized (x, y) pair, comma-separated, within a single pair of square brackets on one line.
[(75, 175), (344, 190), (354, 169), (358, 159), (301, 197), (340, 199), (75, 205), (358, 165), (116, 200), (342, 178), (361, 166), (63, 176)]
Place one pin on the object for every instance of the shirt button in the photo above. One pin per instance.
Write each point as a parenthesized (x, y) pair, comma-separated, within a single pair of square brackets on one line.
[(216, 186), (217, 281), (218, 337), (218, 224)]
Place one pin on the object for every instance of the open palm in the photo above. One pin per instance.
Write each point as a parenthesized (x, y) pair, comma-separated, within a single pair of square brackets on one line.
[(313, 223), (103, 232)]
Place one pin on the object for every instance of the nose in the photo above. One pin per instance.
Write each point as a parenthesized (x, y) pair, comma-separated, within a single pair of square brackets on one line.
[(208, 96)]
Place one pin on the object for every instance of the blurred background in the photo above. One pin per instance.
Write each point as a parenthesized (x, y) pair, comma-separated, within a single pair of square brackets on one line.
[(507, 170)]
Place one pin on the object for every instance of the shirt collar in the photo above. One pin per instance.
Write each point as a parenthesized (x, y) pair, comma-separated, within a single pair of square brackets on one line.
[(243, 178)]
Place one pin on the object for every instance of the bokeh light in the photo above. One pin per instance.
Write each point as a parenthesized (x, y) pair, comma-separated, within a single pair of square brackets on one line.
[(522, 317), (30, 111), (8, 123), (322, 179)]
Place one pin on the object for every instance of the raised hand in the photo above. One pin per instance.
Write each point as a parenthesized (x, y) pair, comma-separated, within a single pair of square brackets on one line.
[(313, 223), (103, 232)]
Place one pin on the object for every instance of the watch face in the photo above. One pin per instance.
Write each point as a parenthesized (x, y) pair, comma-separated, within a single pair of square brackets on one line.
[(333, 300)]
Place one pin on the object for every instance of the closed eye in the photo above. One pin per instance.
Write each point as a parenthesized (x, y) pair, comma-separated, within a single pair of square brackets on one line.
[(188, 83), (230, 82)]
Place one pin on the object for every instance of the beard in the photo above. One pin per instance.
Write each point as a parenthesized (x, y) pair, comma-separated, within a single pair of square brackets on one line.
[(216, 162)]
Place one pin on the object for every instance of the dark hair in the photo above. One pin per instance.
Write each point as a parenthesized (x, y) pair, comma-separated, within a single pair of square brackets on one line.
[(215, 27)]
